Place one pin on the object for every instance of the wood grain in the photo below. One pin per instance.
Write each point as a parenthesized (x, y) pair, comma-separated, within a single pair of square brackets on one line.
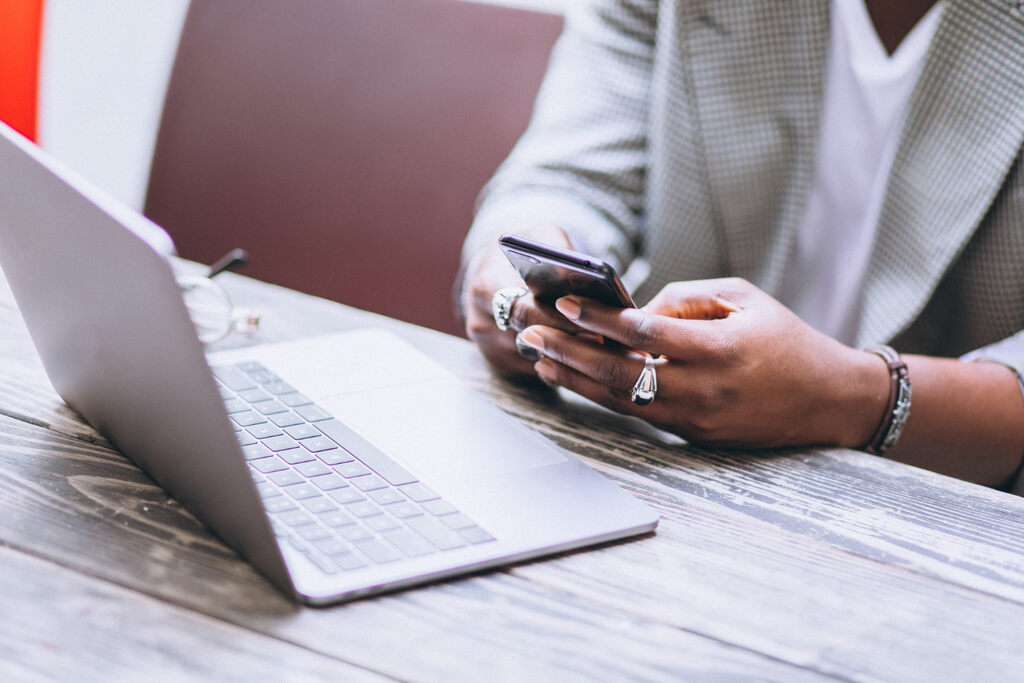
[(91, 510), (783, 566), (61, 625)]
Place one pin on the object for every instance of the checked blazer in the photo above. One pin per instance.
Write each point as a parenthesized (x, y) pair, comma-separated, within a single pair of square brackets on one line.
[(677, 138)]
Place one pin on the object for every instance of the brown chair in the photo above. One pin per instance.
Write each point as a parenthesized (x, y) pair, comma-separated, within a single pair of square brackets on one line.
[(343, 142)]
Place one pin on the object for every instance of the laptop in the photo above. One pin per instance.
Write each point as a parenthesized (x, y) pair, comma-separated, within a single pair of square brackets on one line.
[(339, 466)]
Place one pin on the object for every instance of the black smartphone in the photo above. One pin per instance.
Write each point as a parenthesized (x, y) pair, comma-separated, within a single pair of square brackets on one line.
[(551, 273)]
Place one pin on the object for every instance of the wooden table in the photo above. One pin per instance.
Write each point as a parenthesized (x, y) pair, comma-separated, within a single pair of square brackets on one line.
[(789, 566)]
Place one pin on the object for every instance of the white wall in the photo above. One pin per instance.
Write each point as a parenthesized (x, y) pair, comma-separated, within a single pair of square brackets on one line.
[(103, 75)]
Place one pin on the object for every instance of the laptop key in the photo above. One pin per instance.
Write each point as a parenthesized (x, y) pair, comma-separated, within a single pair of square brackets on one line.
[(378, 551), (313, 468), (386, 496), (270, 407), (302, 431), (352, 469), (250, 366), (409, 543), (439, 507), (300, 545), (318, 444), (370, 483), (319, 505), (245, 438), (248, 418), (264, 431), (312, 413), (286, 478), (347, 495), (363, 508), (329, 482), (296, 456), (336, 518), (475, 534), (458, 521), (418, 492), (331, 546), (435, 532), (294, 399), (256, 451), (303, 491), (279, 528), (263, 376), (268, 490), (278, 387), (404, 510), (254, 395), (281, 504), (313, 532), (349, 562), (382, 523), (281, 442), (369, 454), (286, 419), (233, 405), (296, 518), (233, 378), (268, 465), (335, 457), (325, 564), (354, 533)]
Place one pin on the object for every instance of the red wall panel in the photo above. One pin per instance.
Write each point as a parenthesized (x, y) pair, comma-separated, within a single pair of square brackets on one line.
[(20, 34)]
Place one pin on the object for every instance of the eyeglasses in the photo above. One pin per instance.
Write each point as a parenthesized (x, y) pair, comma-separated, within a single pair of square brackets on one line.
[(210, 307)]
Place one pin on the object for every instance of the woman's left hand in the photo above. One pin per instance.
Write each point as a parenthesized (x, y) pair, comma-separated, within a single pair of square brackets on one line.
[(734, 367)]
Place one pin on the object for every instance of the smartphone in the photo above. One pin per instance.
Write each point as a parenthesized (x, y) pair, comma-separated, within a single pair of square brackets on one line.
[(550, 273)]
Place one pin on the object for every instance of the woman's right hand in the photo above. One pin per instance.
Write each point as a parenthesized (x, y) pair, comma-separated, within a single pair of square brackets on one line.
[(491, 271)]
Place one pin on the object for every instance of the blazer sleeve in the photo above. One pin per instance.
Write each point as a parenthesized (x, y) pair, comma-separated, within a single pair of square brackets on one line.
[(582, 162), (1008, 352)]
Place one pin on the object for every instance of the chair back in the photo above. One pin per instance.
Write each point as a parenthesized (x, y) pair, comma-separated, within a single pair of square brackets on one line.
[(343, 143)]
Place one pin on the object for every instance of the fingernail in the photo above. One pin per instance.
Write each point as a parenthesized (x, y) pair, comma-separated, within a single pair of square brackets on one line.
[(529, 344), (546, 371), (569, 306)]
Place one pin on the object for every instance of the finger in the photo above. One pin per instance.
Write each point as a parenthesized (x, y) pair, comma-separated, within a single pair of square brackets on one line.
[(499, 348), (528, 311), (613, 367), (556, 374), (659, 335)]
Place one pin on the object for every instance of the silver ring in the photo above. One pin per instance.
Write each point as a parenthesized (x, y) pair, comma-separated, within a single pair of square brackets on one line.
[(501, 305), (646, 385)]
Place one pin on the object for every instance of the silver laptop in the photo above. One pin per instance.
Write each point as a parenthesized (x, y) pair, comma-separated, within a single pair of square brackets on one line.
[(339, 466)]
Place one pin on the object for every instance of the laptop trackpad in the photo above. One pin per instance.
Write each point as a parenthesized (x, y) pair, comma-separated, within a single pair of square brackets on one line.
[(439, 428)]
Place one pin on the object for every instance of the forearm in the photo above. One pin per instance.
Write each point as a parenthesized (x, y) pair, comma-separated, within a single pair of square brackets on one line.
[(966, 420), (582, 163)]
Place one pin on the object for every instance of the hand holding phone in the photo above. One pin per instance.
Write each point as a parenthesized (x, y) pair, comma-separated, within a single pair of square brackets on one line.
[(550, 273)]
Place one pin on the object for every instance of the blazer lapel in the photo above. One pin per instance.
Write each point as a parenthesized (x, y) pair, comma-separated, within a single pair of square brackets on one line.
[(963, 130), (757, 74)]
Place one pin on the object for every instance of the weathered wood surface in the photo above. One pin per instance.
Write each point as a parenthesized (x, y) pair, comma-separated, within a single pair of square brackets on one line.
[(788, 566), (61, 623)]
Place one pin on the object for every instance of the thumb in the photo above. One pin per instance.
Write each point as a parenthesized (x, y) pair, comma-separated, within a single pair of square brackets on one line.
[(701, 299)]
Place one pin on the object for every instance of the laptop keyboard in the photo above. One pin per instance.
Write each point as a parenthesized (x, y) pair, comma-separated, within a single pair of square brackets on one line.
[(331, 495)]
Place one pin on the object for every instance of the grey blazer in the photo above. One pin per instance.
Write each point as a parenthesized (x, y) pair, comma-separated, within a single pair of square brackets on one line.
[(680, 134)]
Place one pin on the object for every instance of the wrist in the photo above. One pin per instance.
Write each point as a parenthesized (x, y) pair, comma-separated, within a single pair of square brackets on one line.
[(864, 399)]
